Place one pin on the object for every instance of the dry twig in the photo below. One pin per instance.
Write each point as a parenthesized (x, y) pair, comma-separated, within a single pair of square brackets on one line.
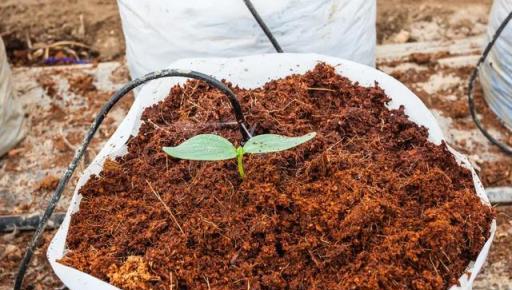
[(165, 206)]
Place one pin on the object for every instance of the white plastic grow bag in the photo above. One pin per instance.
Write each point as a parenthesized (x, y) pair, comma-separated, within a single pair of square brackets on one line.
[(251, 72), (496, 71), (160, 32), (12, 121)]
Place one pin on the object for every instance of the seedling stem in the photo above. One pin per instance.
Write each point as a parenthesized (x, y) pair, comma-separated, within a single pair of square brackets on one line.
[(239, 158)]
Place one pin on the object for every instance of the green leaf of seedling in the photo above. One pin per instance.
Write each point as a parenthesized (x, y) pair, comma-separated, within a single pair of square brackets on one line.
[(203, 147), (267, 143), (212, 147)]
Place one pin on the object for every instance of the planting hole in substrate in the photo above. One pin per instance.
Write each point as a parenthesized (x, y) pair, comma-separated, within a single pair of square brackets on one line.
[(368, 202)]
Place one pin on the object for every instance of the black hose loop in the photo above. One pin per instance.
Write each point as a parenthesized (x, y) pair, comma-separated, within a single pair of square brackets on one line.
[(471, 102), (237, 110)]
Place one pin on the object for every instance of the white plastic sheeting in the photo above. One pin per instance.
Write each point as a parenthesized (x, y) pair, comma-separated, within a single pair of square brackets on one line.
[(11, 114), (159, 32), (247, 72), (496, 72)]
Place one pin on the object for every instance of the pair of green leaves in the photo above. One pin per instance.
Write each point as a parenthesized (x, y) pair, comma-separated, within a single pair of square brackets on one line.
[(210, 147)]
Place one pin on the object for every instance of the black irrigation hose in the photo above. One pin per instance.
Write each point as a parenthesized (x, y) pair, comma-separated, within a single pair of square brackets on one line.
[(263, 26), (90, 134), (471, 101), (28, 222)]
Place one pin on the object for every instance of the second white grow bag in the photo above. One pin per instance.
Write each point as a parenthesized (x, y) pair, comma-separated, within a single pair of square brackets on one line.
[(252, 72), (496, 71)]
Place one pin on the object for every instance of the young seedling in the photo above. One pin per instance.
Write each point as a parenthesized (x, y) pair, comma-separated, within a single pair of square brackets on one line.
[(210, 147)]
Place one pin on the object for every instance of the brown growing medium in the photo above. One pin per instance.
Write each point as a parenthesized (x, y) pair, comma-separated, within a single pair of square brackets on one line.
[(369, 203)]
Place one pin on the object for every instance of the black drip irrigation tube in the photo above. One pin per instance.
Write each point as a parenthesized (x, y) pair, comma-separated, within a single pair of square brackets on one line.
[(471, 101), (28, 222), (237, 110), (263, 26)]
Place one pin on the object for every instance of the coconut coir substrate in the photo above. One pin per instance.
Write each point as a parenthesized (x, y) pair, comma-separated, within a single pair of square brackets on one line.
[(369, 203)]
